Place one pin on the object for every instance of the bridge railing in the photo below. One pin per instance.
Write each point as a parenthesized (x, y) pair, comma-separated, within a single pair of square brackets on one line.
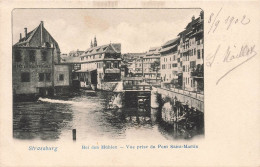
[(196, 101), (137, 87)]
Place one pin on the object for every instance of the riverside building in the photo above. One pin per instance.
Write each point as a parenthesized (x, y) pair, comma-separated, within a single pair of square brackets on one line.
[(192, 53), (36, 65), (100, 66), (171, 63)]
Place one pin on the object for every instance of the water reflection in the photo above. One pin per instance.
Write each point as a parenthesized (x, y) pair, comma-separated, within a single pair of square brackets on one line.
[(86, 111), (39, 120)]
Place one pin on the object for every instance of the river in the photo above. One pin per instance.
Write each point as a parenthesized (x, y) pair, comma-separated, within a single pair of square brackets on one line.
[(86, 111)]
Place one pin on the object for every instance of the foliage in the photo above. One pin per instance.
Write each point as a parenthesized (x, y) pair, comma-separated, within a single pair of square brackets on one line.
[(155, 65)]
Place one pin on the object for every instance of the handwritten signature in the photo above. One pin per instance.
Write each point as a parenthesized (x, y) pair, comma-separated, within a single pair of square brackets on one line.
[(231, 55)]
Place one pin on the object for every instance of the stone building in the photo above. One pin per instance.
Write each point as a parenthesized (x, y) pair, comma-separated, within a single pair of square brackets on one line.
[(36, 69)]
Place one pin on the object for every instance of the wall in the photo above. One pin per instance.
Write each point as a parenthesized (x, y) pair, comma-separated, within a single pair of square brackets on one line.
[(34, 68), (193, 99), (66, 71)]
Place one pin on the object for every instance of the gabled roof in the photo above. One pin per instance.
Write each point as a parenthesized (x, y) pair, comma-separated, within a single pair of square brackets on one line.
[(116, 47), (27, 39)]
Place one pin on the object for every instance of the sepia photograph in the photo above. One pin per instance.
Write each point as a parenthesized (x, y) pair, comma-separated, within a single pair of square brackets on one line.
[(104, 73)]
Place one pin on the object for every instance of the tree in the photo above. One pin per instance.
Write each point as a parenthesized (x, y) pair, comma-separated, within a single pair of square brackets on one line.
[(155, 66)]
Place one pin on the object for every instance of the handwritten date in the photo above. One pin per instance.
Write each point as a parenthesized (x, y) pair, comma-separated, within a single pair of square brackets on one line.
[(228, 22)]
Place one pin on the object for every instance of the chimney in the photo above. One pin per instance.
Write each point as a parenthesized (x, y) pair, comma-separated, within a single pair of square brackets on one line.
[(42, 23), (20, 36), (202, 15), (25, 32), (193, 18)]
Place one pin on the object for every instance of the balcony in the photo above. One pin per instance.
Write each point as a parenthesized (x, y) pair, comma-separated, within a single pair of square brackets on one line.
[(113, 70), (197, 74)]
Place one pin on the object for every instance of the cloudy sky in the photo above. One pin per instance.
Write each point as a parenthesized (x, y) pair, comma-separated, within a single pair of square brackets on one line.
[(136, 29)]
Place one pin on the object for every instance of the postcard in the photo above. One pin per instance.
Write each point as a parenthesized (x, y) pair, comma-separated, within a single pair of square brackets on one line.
[(118, 83)]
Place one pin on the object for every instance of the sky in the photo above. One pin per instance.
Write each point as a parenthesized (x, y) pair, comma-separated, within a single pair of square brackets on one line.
[(136, 29)]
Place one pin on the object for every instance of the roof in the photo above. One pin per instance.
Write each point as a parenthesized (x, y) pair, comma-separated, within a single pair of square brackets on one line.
[(133, 55), (25, 41), (168, 48), (153, 51), (193, 22), (190, 25), (70, 59), (154, 48), (171, 42), (151, 57), (76, 53), (87, 70), (116, 47)]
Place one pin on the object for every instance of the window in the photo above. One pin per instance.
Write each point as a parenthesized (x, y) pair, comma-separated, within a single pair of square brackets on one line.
[(44, 55), (198, 54), (41, 77), (108, 65), (32, 56), (174, 65), (25, 77), (115, 65), (194, 51), (17, 56), (61, 77), (202, 53), (48, 76), (192, 64), (183, 68)]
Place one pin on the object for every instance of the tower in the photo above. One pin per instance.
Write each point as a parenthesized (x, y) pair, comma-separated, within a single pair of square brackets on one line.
[(95, 41), (91, 44)]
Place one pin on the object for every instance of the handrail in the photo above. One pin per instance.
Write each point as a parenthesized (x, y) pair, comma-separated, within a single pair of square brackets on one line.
[(187, 95)]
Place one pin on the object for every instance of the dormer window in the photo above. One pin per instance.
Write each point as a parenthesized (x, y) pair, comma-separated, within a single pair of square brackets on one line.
[(47, 44)]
